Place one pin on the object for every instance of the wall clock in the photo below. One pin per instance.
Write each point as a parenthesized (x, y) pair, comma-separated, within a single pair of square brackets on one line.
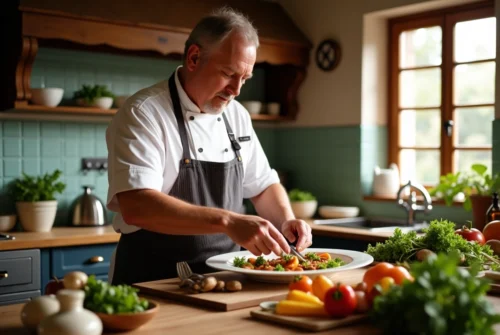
[(328, 55)]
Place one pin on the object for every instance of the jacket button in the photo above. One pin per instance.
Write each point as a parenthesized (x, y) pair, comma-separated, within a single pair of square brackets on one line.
[(218, 119), (226, 150), (200, 150), (191, 118)]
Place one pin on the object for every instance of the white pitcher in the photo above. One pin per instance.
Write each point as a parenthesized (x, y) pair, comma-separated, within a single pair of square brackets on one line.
[(386, 182)]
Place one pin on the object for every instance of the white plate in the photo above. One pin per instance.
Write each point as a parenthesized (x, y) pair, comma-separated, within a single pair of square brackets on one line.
[(353, 260)]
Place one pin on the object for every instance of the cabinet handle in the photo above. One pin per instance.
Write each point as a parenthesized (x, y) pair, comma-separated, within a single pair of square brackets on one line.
[(96, 259), (4, 274)]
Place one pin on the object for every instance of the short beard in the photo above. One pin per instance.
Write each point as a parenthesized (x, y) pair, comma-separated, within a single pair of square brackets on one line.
[(209, 108)]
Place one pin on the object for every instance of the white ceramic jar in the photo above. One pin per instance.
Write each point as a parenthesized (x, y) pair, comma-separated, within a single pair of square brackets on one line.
[(386, 181), (72, 318)]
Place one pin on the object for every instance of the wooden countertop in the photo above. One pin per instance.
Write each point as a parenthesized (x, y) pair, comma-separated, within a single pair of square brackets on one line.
[(348, 233), (176, 318), (60, 237)]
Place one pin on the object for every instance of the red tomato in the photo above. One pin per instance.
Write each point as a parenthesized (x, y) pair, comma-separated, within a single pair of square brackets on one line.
[(301, 283), (471, 234), (340, 301)]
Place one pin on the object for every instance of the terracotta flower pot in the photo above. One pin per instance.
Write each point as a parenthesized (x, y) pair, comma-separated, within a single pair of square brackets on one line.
[(480, 205)]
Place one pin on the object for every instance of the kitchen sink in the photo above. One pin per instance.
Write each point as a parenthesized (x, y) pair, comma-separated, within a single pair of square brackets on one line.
[(374, 224)]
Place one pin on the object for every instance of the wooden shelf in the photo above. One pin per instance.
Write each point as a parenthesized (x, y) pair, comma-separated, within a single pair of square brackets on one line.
[(65, 109), (21, 107)]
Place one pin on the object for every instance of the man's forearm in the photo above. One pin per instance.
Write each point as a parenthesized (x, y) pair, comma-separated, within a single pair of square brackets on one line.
[(161, 213), (273, 205)]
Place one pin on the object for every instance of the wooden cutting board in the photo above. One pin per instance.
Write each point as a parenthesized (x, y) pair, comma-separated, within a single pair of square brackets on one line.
[(306, 322), (252, 294)]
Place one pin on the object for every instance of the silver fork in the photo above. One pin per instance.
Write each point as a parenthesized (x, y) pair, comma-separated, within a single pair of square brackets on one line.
[(297, 253), (183, 270)]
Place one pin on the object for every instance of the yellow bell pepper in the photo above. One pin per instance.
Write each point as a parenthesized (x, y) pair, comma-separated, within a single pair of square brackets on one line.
[(299, 308), (320, 285), (297, 295)]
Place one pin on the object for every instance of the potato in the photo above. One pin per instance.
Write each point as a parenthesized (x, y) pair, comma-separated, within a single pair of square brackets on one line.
[(423, 254), (75, 280), (495, 246), (233, 286)]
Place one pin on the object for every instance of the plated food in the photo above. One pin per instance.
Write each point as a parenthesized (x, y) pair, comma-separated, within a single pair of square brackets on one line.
[(314, 261), (347, 260)]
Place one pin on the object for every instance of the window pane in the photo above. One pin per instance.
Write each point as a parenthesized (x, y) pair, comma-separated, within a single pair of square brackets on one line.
[(473, 126), (464, 159), (420, 128), (420, 47), (475, 40), (474, 84), (421, 166), (420, 88)]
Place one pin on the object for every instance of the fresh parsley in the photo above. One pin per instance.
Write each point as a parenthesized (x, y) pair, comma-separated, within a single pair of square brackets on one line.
[(334, 263), (443, 299), (239, 261), (102, 297), (287, 257), (439, 237), (279, 267), (260, 261), (312, 256)]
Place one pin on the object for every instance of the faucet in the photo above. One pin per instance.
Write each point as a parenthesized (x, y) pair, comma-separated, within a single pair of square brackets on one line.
[(411, 206)]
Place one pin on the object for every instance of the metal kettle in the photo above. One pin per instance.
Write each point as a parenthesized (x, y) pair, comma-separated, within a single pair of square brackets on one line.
[(88, 210)]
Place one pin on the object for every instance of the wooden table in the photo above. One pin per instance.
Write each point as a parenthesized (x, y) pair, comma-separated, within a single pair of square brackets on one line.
[(175, 318)]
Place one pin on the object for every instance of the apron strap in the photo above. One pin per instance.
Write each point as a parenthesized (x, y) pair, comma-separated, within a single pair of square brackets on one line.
[(180, 119), (236, 146)]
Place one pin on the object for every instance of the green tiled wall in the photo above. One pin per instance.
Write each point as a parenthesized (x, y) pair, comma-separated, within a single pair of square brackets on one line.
[(39, 147), (496, 146)]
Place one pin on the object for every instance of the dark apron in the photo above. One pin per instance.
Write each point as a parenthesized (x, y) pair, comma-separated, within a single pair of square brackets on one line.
[(144, 255)]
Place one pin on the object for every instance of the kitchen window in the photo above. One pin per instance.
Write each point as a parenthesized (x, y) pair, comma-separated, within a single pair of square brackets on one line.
[(442, 91)]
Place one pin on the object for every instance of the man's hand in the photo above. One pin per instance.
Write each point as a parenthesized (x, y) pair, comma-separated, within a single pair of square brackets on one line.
[(297, 230), (256, 234)]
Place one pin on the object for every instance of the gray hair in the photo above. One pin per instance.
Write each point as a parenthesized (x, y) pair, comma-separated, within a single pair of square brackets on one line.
[(214, 28)]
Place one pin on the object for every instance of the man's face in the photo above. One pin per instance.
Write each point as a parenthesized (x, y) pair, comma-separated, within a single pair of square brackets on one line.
[(222, 72)]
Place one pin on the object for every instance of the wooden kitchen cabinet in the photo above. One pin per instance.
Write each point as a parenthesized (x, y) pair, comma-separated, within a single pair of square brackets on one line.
[(116, 27)]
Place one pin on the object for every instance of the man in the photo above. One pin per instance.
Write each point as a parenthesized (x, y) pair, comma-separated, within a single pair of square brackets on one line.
[(182, 157)]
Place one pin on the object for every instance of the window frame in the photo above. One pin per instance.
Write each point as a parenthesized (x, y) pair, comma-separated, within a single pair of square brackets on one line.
[(446, 18)]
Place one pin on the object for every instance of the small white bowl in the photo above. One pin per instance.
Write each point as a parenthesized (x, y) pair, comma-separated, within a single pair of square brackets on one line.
[(102, 103), (253, 107), (335, 212), (50, 97), (304, 209), (7, 222), (120, 100)]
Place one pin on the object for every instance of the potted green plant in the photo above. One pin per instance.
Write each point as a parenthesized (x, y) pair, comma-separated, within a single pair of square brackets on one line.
[(35, 200), (477, 187), (94, 96), (303, 203)]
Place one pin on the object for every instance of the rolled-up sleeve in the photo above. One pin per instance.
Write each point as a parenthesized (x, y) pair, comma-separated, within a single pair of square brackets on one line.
[(258, 173), (136, 154)]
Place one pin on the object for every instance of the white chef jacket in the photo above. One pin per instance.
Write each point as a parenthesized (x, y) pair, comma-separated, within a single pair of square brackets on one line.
[(144, 146)]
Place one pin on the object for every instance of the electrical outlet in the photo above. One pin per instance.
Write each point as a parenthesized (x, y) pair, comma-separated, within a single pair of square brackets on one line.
[(99, 164)]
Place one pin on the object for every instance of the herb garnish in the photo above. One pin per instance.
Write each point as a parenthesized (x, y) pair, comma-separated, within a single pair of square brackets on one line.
[(279, 267), (260, 261), (312, 256), (239, 261)]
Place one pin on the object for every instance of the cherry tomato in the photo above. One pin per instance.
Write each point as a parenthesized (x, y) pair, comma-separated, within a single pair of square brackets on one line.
[(399, 274), (340, 301), (471, 234), (301, 283), (376, 273)]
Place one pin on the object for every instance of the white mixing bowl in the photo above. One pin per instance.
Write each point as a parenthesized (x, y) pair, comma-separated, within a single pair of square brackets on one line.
[(50, 97)]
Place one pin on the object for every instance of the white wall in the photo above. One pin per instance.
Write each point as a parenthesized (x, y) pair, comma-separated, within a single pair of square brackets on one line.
[(348, 95)]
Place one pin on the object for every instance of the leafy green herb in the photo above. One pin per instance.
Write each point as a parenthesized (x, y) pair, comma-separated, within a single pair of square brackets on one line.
[(287, 257), (334, 263), (279, 267), (40, 188), (444, 299), (298, 195), (439, 237), (312, 256), (260, 261), (102, 297), (239, 261), (321, 266), (89, 93)]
